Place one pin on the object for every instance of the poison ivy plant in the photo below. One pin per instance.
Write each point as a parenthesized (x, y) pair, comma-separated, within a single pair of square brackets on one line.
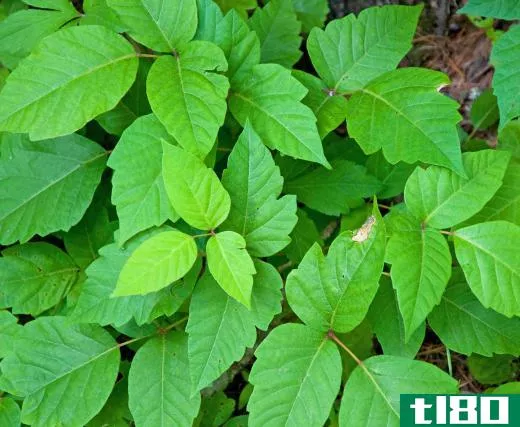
[(242, 213)]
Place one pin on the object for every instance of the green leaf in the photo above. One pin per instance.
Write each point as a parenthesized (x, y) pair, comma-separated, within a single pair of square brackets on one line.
[(466, 326), (95, 304), (487, 254), (161, 26), (311, 13), (231, 265), (441, 199), (47, 186), (23, 30), (242, 6), (101, 66), (505, 204), (209, 16), (270, 98), (138, 187), (178, 293), (395, 112), (159, 383), (393, 177), (188, 96), (506, 78), (330, 191), (194, 190), (254, 184), (88, 363), (9, 412), (502, 9), (492, 370), (49, 4), (35, 277), (9, 327), (133, 105), (215, 410), (421, 267), (97, 12), (4, 73), (303, 236), (484, 110), (220, 328), (509, 388), (279, 32), (94, 231), (328, 108), (296, 378), (335, 292), (239, 44), (159, 261), (266, 301), (239, 421), (352, 51), (372, 394), (355, 218), (388, 325), (509, 139), (115, 412)]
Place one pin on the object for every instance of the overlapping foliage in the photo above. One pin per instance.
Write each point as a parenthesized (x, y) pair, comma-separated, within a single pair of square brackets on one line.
[(183, 215)]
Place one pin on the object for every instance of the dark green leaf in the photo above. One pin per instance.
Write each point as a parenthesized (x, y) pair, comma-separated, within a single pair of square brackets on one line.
[(88, 363), (47, 186), (35, 277), (466, 326)]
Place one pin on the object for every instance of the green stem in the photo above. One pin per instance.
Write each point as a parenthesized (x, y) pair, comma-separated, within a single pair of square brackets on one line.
[(448, 356), (334, 338), (147, 55), (160, 331)]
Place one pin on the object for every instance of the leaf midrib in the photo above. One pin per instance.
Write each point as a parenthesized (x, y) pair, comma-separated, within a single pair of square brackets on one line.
[(405, 117), (82, 365), (378, 389), (288, 130), (65, 84), (463, 183), (229, 267), (490, 254), (163, 360), (345, 289), (215, 339), (318, 351), (45, 275), (357, 61), (68, 173), (156, 22), (472, 315)]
